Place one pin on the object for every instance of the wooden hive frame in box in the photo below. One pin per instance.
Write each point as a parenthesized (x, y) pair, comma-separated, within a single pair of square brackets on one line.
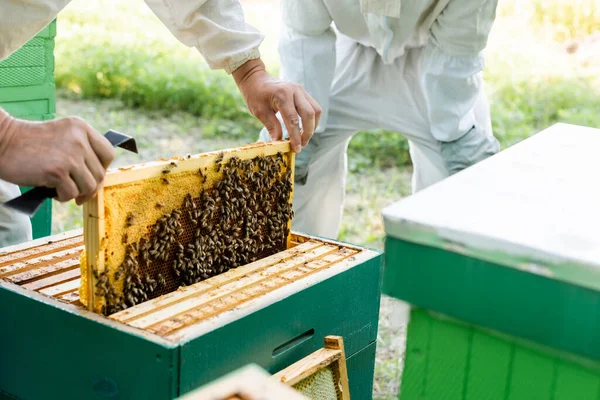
[(331, 357), (138, 213)]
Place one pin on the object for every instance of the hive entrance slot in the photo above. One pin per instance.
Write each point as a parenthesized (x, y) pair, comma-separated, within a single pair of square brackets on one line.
[(290, 344)]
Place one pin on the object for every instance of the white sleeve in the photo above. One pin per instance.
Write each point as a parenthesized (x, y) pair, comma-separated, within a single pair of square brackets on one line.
[(453, 64), (22, 20), (307, 50), (217, 28)]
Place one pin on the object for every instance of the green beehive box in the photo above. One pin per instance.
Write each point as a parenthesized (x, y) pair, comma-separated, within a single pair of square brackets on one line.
[(504, 260), (53, 348), (27, 92)]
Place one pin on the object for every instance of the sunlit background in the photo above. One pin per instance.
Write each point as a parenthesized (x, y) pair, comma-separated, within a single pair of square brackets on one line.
[(119, 68)]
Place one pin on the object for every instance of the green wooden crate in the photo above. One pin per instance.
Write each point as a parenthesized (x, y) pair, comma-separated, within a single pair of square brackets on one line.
[(54, 350), (447, 359), (27, 92), (509, 245)]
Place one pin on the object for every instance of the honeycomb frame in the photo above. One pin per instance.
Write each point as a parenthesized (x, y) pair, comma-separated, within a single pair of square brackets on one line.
[(132, 190)]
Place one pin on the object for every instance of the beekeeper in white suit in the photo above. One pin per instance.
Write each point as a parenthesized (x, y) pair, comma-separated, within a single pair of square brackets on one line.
[(69, 155), (409, 66)]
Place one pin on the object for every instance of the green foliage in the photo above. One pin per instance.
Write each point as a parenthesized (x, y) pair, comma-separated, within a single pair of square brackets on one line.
[(378, 149), (147, 77), (520, 109)]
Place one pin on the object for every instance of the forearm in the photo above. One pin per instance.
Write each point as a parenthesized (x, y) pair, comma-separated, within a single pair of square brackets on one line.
[(6, 127)]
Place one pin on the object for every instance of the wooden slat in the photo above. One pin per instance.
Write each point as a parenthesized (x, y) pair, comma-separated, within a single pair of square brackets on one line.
[(226, 302), (308, 366), (53, 279), (291, 167), (32, 274), (186, 292), (276, 288), (43, 258), (230, 288), (93, 232), (154, 169), (38, 251), (71, 297), (63, 288), (340, 369)]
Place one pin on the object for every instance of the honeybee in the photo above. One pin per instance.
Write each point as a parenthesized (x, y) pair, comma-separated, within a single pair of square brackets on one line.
[(129, 219)]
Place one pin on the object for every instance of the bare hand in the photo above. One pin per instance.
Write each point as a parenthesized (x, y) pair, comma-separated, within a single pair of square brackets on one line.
[(266, 96), (66, 154)]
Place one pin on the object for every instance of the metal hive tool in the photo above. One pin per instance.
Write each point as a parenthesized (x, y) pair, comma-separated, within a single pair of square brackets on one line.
[(158, 226)]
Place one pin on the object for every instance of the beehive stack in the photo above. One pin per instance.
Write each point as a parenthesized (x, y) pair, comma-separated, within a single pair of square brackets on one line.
[(155, 227)]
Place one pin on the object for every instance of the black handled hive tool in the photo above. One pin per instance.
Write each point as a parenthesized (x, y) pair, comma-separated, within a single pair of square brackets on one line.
[(30, 202)]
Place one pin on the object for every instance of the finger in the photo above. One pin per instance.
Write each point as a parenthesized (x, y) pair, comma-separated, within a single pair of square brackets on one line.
[(292, 122), (95, 167), (317, 108), (101, 147), (66, 190), (86, 184), (270, 121), (307, 113)]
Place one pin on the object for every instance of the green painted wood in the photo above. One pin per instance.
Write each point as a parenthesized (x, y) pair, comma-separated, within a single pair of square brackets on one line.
[(49, 353), (413, 383), (27, 91), (493, 366), (51, 344), (346, 304), (532, 375), (573, 379), (361, 371), (534, 307), (490, 363), (448, 363)]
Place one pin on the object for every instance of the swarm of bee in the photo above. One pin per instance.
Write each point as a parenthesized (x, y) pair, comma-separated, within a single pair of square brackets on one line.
[(242, 218)]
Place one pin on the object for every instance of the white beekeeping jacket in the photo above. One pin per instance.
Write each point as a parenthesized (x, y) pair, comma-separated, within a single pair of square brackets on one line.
[(457, 31), (217, 28)]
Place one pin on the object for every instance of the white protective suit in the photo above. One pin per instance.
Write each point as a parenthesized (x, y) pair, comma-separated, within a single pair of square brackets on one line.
[(409, 66), (217, 28)]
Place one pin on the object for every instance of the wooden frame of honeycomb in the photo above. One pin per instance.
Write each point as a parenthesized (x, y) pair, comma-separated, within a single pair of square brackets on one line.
[(144, 230)]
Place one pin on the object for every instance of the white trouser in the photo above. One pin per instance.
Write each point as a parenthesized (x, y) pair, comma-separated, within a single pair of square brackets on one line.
[(15, 227), (367, 94)]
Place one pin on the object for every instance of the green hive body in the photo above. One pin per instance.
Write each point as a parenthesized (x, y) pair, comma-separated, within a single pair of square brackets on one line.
[(52, 350), (27, 92), (449, 360), (503, 262)]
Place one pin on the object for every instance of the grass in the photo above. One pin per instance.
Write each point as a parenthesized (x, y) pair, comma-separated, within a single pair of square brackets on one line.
[(545, 71)]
